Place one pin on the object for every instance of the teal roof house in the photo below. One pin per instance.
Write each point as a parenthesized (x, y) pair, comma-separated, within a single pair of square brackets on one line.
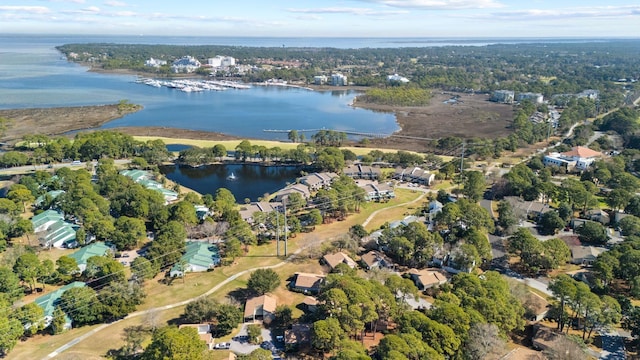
[(199, 256), (45, 219), (94, 249), (49, 302)]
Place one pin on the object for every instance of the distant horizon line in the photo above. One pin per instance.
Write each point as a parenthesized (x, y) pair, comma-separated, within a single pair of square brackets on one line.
[(631, 37)]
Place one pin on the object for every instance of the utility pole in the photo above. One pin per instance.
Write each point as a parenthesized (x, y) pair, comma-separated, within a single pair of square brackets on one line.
[(278, 233), (284, 203), (461, 163)]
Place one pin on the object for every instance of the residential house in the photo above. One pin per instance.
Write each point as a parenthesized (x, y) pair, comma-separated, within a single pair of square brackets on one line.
[(397, 79), (427, 278), (585, 255), (435, 207), (307, 283), (144, 178), (260, 308), (49, 196), (248, 211), (544, 337), (404, 222), (376, 260), (375, 191), (204, 333), (298, 335), (50, 301), (536, 307), (589, 94), (333, 260), (60, 234), (317, 181), (598, 215), (414, 175), (359, 171), (283, 194), (310, 304), (529, 209), (94, 249), (45, 219), (202, 212), (503, 96), (199, 256)]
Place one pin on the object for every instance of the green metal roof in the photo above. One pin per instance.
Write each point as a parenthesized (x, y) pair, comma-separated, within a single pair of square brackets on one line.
[(45, 217), (200, 253), (93, 249), (49, 302), (53, 194), (59, 231), (135, 175)]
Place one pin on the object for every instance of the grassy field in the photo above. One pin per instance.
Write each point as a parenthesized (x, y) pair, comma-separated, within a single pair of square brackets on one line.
[(160, 294), (231, 144)]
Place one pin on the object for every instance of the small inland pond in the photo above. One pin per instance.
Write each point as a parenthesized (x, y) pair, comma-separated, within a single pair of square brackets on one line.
[(243, 180)]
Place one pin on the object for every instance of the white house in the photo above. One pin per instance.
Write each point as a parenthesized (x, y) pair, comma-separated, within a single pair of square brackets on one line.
[(579, 158), (339, 80), (155, 63), (221, 61), (185, 64), (535, 98), (397, 78), (503, 96)]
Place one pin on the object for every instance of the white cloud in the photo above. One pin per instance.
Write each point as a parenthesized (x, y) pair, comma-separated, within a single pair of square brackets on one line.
[(115, 3), (438, 4), (69, 1), (351, 11), (25, 9), (91, 9), (582, 12)]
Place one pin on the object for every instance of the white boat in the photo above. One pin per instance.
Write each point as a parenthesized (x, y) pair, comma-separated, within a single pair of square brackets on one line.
[(231, 177)]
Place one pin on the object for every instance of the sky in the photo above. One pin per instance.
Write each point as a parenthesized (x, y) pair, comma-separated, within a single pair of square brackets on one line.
[(325, 18)]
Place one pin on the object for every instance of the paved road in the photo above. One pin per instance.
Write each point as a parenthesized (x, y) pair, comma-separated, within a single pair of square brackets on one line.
[(424, 193), (32, 168), (75, 341), (612, 346)]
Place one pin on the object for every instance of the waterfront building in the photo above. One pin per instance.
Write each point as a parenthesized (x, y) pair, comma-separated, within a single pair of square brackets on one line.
[(339, 80), (186, 64), (503, 96), (155, 63), (535, 98)]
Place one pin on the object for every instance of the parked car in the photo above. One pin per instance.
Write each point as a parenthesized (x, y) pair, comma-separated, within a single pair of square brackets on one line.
[(222, 346)]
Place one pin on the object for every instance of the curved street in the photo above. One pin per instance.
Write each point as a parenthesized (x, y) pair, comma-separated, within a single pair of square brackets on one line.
[(231, 278)]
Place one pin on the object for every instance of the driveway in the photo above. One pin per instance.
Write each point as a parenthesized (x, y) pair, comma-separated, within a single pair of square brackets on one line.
[(497, 247), (612, 346), (240, 343)]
